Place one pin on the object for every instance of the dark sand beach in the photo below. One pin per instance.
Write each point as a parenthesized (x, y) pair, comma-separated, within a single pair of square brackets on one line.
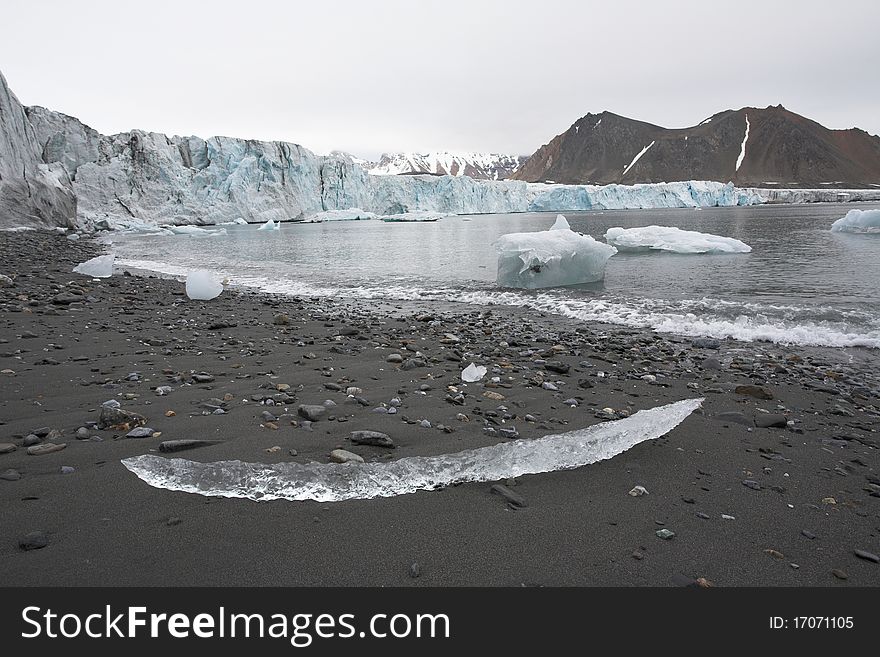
[(789, 505)]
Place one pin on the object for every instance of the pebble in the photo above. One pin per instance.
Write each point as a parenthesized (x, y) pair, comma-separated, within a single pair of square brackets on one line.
[(757, 392), (66, 469), (638, 491), (82, 434), (771, 420), (180, 445), (46, 448), (394, 358), (311, 412), (374, 438), (141, 432), (665, 534), (415, 571), (512, 498), (867, 556), (839, 574), (10, 475), (33, 541), (344, 456), (6, 448)]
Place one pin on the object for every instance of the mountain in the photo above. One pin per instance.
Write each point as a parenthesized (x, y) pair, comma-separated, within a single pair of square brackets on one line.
[(749, 147), (480, 166)]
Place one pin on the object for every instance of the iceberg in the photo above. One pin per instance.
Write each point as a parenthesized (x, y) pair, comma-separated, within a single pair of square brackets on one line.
[(673, 240), (473, 373), (202, 286), (334, 482), (194, 231), (414, 216), (858, 221), (99, 267), (550, 258), (351, 214), (270, 225)]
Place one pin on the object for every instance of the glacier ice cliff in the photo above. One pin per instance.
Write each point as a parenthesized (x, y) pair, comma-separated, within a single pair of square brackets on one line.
[(55, 170), (333, 482), (32, 192)]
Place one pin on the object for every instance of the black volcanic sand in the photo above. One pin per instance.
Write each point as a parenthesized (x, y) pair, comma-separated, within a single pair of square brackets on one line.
[(802, 499)]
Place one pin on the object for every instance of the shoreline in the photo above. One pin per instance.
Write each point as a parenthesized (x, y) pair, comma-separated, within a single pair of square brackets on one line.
[(580, 527)]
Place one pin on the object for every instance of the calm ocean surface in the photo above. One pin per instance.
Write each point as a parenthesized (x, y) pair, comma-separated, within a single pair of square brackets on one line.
[(801, 284)]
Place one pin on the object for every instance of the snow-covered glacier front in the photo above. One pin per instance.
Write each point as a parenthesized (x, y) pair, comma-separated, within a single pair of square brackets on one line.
[(145, 179)]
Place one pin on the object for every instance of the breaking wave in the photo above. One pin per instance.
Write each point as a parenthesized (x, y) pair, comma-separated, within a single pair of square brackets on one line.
[(819, 326)]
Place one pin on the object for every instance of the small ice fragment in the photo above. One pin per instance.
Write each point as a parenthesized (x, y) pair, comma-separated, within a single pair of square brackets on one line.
[(202, 286), (473, 373), (560, 224), (99, 267), (270, 225)]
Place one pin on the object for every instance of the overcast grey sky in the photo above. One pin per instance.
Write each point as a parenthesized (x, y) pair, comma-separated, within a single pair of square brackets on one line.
[(481, 75)]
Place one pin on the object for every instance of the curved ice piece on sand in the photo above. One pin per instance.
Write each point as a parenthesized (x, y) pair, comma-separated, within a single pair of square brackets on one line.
[(858, 221), (333, 482), (673, 240), (98, 267)]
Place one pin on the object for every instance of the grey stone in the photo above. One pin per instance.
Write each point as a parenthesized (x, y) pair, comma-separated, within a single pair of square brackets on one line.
[(45, 448), (33, 541), (344, 456), (509, 496), (311, 412), (374, 438)]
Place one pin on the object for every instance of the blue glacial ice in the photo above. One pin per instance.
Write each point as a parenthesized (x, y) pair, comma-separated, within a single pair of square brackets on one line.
[(333, 482), (550, 258), (858, 221)]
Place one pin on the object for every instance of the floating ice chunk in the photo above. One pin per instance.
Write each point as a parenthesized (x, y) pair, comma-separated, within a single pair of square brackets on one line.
[(195, 231), (202, 286), (858, 221), (332, 482), (473, 373), (352, 214), (561, 223), (550, 258), (270, 225), (407, 217), (100, 267), (675, 240)]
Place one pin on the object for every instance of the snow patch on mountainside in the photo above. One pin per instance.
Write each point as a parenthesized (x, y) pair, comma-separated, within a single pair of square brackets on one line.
[(636, 158), (742, 148), (481, 166)]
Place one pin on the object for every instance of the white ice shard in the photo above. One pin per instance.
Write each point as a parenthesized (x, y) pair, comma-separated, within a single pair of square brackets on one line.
[(561, 223), (550, 258), (473, 373), (351, 214), (858, 221), (674, 240), (333, 482), (202, 286), (416, 216), (99, 267), (195, 231), (270, 225)]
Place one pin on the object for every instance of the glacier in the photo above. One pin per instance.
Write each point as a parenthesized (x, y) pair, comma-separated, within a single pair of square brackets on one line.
[(57, 171), (858, 221), (334, 482), (550, 258), (673, 240)]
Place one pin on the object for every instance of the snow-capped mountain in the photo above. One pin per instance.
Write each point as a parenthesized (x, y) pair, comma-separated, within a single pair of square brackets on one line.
[(480, 166)]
